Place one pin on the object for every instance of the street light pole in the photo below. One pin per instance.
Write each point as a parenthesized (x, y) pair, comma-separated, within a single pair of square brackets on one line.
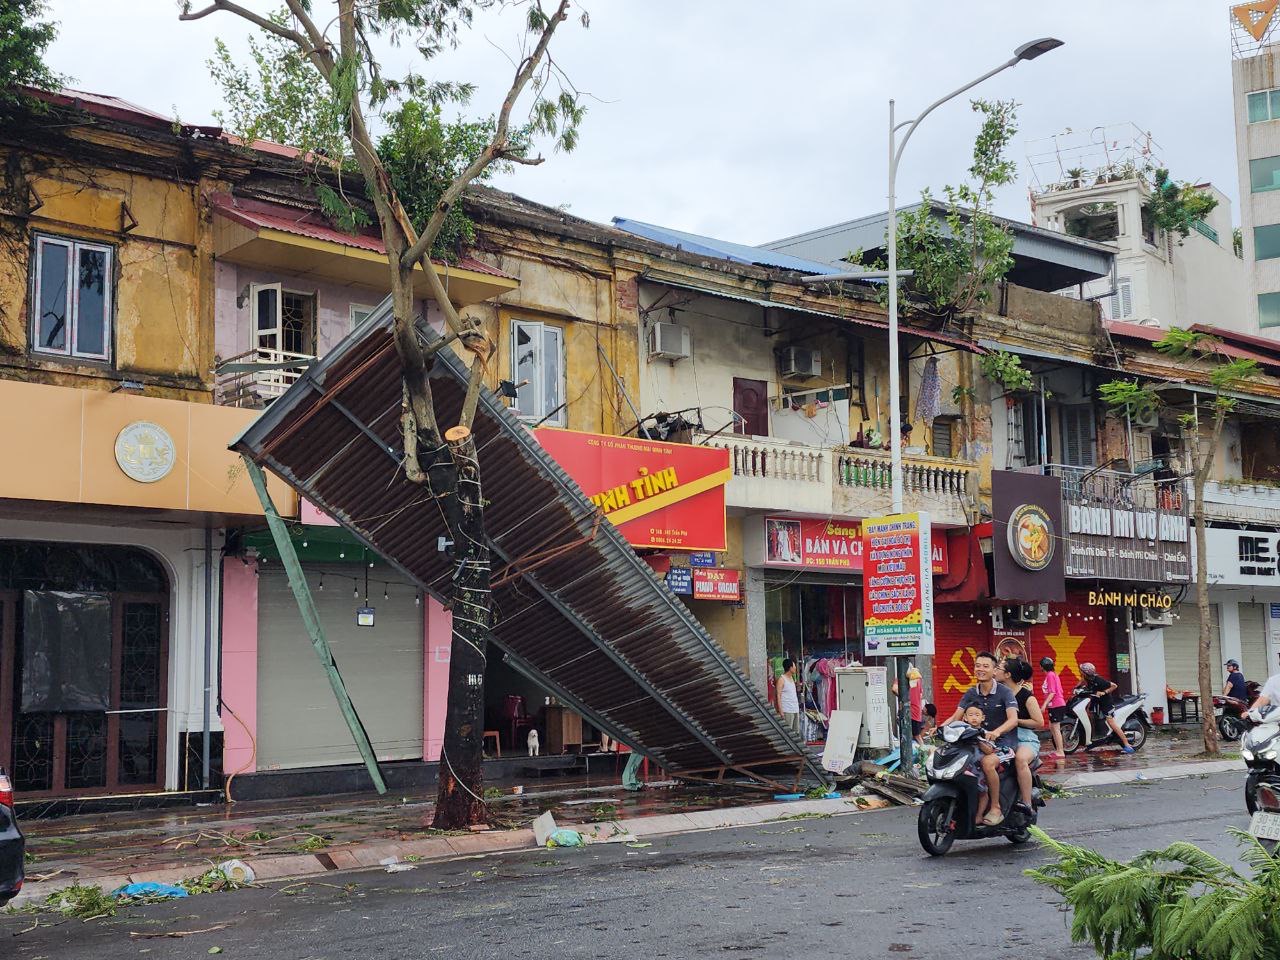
[(1028, 51)]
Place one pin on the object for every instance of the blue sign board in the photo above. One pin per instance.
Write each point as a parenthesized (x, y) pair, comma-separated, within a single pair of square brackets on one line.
[(705, 559), (1275, 611), (680, 580)]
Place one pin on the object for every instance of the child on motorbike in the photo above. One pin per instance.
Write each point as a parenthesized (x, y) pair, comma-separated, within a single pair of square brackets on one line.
[(975, 718)]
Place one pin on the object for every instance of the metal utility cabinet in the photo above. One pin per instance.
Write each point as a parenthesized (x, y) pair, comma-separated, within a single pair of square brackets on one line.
[(866, 690)]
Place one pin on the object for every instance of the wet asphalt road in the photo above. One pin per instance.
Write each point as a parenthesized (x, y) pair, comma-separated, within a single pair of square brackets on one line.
[(852, 886)]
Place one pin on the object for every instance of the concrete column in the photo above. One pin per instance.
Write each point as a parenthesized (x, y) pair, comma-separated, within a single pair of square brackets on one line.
[(1229, 630), (757, 648), (437, 647), (1148, 667)]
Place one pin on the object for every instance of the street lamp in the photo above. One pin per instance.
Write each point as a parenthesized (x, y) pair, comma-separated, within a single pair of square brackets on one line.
[(1028, 51)]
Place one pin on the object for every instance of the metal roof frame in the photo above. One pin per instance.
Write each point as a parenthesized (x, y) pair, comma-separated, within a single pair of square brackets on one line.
[(623, 651)]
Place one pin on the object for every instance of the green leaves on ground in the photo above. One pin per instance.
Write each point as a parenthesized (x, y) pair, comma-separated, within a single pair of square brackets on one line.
[(1179, 903)]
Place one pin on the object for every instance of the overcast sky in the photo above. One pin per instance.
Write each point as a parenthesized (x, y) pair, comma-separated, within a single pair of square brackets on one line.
[(752, 119)]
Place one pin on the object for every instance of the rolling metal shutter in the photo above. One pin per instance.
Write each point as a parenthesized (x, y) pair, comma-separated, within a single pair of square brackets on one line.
[(299, 724), (1253, 641), (1181, 646)]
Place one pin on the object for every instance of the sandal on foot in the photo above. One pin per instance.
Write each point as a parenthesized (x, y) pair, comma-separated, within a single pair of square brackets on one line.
[(993, 819)]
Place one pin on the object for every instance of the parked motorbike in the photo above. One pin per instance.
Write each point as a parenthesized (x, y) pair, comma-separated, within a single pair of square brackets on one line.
[(1260, 747), (1089, 729), (950, 808), (1232, 717)]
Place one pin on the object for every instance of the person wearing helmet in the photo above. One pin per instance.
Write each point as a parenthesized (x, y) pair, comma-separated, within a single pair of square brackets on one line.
[(1236, 686), (1100, 688), (1055, 702)]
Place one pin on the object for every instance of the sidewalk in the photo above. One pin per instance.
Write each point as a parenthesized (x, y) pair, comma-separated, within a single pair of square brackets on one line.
[(280, 841)]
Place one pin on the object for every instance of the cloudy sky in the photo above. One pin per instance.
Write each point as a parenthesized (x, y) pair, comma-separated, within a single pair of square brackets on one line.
[(752, 119)]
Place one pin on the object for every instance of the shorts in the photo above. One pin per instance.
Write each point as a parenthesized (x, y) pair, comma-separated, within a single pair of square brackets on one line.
[(1059, 714), (792, 722), (1029, 738), (917, 727)]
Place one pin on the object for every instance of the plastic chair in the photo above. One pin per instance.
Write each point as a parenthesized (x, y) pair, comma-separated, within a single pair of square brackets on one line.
[(516, 716)]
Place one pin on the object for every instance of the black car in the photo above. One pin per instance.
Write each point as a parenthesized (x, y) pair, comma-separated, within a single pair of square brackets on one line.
[(13, 844)]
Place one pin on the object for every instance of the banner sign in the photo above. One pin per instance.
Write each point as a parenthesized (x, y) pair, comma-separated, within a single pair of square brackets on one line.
[(658, 495), (680, 581), (1122, 543), (717, 584), (1243, 558), (897, 589), (825, 544), (1026, 537)]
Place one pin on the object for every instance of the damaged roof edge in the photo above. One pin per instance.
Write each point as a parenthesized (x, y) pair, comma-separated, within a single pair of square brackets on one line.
[(608, 540)]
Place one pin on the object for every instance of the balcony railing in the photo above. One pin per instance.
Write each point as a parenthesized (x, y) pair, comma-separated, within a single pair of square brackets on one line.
[(1117, 488), (1240, 501), (752, 457), (242, 387), (933, 475)]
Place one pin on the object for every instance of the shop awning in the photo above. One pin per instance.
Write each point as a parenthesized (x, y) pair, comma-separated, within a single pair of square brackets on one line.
[(592, 624)]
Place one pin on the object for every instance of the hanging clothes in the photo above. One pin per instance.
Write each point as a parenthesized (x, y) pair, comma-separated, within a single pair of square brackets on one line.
[(929, 402)]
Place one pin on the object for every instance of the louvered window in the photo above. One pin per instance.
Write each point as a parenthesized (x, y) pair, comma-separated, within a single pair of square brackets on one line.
[(1120, 303), (1078, 435)]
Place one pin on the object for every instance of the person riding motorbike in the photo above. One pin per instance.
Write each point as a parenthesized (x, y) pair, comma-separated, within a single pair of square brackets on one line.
[(1100, 688), (998, 705), (1236, 686)]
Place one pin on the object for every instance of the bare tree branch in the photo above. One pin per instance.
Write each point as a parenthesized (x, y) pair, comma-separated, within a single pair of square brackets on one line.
[(247, 14)]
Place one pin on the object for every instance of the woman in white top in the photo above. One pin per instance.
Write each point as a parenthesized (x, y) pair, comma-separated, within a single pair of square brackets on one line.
[(788, 701)]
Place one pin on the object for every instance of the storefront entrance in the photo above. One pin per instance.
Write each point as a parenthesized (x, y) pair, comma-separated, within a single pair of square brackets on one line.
[(83, 668)]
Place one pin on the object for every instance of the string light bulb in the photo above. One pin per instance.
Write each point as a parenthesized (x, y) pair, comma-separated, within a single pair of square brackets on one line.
[(321, 587), (355, 590), (342, 554), (417, 599), (385, 594), (304, 543)]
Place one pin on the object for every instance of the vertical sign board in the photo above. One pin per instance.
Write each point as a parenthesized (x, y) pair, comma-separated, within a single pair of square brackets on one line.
[(897, 585)]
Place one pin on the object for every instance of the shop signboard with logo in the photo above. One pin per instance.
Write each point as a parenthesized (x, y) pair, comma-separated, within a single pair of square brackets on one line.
[(1108, 541), (1243, 558), (717, 584), (897, 585), (658, 495), (813, 543), (1026, 537)]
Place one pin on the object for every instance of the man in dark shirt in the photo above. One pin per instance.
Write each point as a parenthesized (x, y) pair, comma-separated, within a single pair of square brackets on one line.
[(1100, 688), (1000, 707), (1236, 686)]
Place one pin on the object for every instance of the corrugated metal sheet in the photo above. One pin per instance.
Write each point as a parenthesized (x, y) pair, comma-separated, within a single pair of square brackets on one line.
[(724, 249), (594, 626)]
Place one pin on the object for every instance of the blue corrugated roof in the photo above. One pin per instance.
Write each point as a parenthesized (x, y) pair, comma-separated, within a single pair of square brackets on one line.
[(724, 249)]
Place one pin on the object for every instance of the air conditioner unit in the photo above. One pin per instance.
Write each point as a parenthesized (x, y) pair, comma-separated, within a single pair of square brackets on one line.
[(799, 363), (1033, 613), (1147, 420), (1153, 617), (668, 341)]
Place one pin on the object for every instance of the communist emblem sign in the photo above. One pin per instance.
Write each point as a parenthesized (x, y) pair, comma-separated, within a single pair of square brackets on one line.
[(660, 495)]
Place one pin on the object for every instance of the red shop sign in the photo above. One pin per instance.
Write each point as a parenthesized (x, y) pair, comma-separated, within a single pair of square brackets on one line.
[(714, 583), (814, 543), (660, 495)]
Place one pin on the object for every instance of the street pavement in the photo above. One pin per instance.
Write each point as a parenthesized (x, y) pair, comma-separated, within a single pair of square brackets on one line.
[(851, 886)]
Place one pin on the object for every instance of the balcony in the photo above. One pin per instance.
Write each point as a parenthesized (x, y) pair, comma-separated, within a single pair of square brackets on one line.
[(1240, 501), (781, 475), (1117, 488), (238, 384)]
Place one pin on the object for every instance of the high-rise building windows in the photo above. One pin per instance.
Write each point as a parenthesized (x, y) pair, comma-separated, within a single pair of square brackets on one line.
[(1269, 309), (1264, 174), (1264, 105), (1266, 242)]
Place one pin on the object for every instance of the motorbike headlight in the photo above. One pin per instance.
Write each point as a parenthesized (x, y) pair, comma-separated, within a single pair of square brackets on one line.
[(1246, 753)]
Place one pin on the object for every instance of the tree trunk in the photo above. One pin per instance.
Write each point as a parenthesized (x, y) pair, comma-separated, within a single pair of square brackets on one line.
[(1204, 669), (460, 799)]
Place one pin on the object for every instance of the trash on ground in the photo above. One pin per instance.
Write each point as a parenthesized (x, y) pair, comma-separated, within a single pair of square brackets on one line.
[(565, 837), (399, 867), (149, 890), (237, 871), (543, 827)]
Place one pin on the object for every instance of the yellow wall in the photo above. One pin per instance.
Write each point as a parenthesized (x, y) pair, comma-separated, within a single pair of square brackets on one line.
[(163, 297), (67, 453), (726, 622)]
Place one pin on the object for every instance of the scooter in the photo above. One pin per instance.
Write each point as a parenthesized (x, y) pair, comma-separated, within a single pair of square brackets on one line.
[(1260, 747), (950, 807), (1090, 730), (1232, 717)]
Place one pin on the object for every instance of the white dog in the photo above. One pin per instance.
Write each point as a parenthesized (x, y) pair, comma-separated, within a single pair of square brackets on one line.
[(533, 743)]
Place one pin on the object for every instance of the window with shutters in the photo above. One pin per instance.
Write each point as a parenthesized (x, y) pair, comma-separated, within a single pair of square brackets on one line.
[(943, 437), (1120, 303), (1078, 436), (537, 367)]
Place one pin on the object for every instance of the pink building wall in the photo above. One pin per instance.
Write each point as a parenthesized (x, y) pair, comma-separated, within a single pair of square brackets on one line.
[(239, 684), (438, 637)]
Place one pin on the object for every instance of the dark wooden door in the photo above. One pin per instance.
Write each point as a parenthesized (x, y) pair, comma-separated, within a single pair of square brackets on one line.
[(751, 404)]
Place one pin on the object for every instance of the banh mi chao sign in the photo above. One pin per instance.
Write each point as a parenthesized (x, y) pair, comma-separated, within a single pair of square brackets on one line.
[(658, 495)]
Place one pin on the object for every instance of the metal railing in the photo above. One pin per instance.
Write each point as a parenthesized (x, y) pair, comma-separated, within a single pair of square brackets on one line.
[(1117, 488), (257, 388)]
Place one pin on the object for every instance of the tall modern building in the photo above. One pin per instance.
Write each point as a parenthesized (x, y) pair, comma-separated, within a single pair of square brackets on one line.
[(1255, 85)]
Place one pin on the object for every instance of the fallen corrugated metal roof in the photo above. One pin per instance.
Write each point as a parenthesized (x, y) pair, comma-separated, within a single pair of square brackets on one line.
[(593, 625)]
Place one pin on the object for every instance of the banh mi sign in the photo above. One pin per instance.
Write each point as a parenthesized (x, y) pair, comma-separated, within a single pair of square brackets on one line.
[(658, 495)]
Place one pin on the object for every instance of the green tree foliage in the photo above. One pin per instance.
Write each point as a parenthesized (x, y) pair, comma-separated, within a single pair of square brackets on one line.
[(1177, 206), (1179, 903), (1006, 369), (957, 259), (24, 37)]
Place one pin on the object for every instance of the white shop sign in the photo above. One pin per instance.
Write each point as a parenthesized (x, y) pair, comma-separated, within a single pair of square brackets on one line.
[(1245, 558)]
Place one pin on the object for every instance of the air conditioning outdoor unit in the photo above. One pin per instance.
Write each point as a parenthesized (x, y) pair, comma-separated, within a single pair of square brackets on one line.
[(799, 363), (668, 341), (1033, 613), (1153, 617), (1146, 420)]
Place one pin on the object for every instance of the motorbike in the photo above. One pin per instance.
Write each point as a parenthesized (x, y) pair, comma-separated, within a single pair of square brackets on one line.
[(950, 805), (1088, 729), (1232, 717), (1260, 748)]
